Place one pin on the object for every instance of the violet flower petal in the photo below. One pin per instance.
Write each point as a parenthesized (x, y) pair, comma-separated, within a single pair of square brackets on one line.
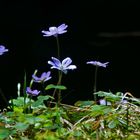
[(67, 61), (56, 62), (54, 31), (64, 66), (32, 92), (97, 63), (3, 49)]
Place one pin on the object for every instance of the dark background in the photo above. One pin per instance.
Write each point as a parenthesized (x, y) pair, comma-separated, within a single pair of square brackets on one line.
[(97, 30)]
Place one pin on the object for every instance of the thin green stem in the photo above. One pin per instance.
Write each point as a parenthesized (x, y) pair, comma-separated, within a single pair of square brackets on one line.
[(58, 51), (5, 100), (59, 91), (43, 88), (30, 102), (95, 98), (31, 82), (59, 72), (24, 89), (58, 47), (127, 117), (95, 83)]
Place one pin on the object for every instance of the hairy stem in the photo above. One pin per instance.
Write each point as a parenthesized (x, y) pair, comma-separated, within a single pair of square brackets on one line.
[(58, 47), (95, 83)]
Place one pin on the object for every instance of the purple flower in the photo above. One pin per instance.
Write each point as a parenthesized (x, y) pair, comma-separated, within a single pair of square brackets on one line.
[(32, 92), (54, 31), (43, 78), (2, 49), (97, 63), (64, 66)]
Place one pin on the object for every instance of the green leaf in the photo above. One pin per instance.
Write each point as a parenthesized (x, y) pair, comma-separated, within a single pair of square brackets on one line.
[(19, 101), (109, 96), (99, 110), (30, 119), (4, 133), (21, 126), (37, 103), (84, 103), (112, 124), (40, 100), (18, 109), (61, 87), (77, 133)]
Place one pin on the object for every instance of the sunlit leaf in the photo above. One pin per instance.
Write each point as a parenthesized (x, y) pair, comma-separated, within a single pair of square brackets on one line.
[(18, 109)]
